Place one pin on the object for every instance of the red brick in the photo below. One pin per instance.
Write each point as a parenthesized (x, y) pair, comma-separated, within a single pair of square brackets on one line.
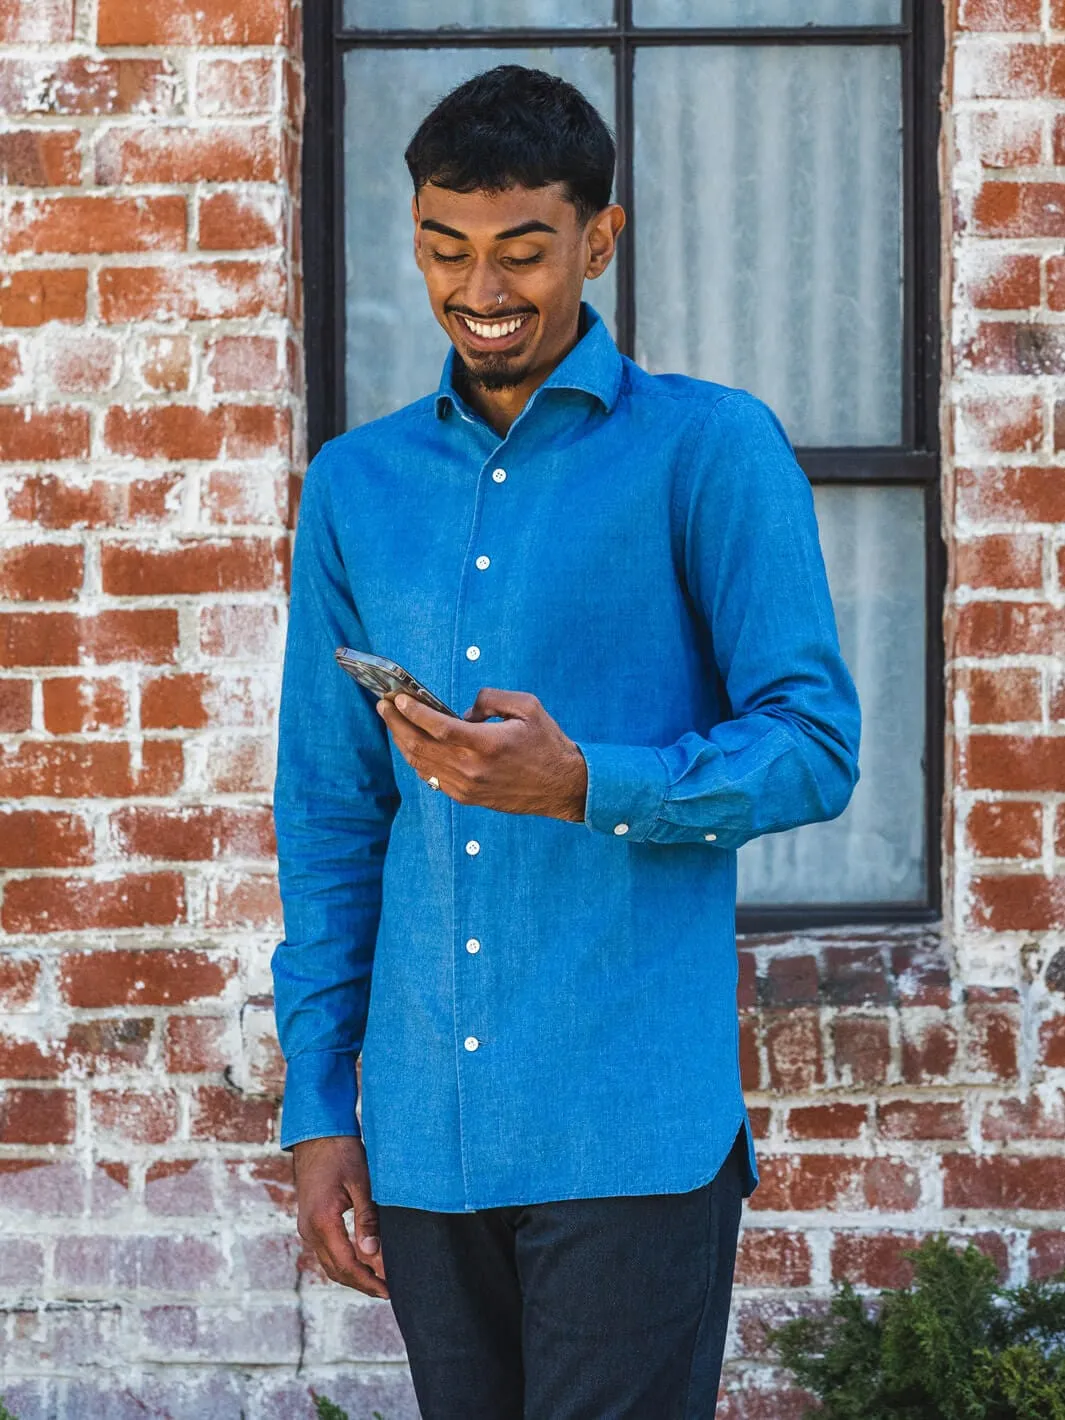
[(239, 632), (82, 362), (210, 290), (135, 1117), (1018, 902), (991, 1042), (76, 705), (1046, 1254), (41, 572), (1056, 264), (1000, 696), (187, 432), (1035, 495), (23, 1058), (759, 1117), (1000, 424), (166, 362), (64, 639), (96, 771), (245, 362), (18, 983), (921, 974), (999, 15), (199, 832), (235, 86), (169, 22), (1005, 830), (929, 1049), (1020, 209), (10, 364), (1015, 348), (73, 904), (179, 701), (862, 1049), (855, 976), (180, 154), (48, 501), (768, 1257), (802, 1182), (142, 978), (33, 838), (100, 1047), (221, 1113), (97, 224), (750, 1059), (30, 436), (36, 157), (747, 980), (41, 1189), (39, 22), (826, 1121), (16, 705), (1000, 560), (243, 564), (196, 1045), (791, 981), (1029, 1118), (1052, 1042), (1010, 629), (1000, 140), (241, 766), (921, 1119), (250, 901), (1001, 1182), (32, 1116), (873, 1259), (239, 221), (793, 1044), (84, 86)]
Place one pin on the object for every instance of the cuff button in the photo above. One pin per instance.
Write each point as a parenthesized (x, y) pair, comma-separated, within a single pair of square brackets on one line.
[(621, 828)]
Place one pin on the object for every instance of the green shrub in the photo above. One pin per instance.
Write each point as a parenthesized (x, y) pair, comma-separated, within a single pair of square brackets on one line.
[(5, 1414), (954, 1345), (327, 1409)]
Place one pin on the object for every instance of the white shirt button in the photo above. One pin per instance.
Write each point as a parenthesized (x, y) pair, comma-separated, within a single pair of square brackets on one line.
[(473, 847), (621, 828), (472, 652), (473, 946), (710, 837), (471, 1042), (498, 475), (483, 562)]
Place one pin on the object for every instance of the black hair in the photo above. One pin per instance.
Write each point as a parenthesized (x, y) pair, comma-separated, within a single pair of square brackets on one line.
[(514, 126)]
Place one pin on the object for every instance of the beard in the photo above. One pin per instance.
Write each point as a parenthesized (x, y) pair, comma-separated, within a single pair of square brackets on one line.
[(494, 372)]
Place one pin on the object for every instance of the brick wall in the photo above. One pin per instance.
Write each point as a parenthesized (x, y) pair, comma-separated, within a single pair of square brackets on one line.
[(150, 423)]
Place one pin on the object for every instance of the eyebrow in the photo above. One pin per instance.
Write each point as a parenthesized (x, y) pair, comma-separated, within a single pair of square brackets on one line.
[(521, 230)]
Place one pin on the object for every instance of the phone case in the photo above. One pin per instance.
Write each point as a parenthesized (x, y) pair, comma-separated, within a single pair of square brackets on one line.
[(385, 677)]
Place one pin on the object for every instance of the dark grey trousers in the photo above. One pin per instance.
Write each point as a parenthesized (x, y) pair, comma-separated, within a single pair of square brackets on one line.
[(585, 1309)]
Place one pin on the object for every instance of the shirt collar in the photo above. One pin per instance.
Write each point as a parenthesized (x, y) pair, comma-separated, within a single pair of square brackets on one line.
[(593, 365)]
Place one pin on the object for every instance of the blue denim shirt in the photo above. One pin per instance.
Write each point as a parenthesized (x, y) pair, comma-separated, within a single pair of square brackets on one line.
[(547, 1009)]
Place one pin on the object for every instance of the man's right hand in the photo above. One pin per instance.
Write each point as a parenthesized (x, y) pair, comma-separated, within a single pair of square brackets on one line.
[(331, 1179)]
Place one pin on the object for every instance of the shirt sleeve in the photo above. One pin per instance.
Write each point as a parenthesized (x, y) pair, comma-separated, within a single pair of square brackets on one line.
[(334, 800), (789, 753)]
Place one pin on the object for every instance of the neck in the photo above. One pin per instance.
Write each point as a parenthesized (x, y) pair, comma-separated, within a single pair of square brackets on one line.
[(500, 407)]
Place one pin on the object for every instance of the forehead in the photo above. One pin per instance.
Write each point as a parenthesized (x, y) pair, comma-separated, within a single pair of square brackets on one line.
[(481, 214)]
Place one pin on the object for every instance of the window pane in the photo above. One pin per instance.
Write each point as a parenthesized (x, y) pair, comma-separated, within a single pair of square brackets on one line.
[(711, 13), (394, 347), (768, 226), (873, 540), (476, 14)]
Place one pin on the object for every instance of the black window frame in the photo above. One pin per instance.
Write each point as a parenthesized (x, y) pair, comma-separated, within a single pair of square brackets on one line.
[(914, 462)]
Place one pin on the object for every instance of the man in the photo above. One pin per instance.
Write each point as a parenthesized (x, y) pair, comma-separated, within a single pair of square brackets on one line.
[(616, 578)]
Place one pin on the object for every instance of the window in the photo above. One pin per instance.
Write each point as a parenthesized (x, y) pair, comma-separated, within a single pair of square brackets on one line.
[(776, 159)]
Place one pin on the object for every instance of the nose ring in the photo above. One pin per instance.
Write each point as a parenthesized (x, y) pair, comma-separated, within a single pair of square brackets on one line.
[(499, 298)]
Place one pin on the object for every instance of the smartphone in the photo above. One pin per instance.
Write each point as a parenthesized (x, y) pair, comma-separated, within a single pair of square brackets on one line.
[(385, 677)]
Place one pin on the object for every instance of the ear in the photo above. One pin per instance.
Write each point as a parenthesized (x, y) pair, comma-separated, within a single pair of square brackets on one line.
[(601, 234)]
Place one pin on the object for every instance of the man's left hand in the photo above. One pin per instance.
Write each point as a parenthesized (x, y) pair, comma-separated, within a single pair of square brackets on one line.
[(521, 765)]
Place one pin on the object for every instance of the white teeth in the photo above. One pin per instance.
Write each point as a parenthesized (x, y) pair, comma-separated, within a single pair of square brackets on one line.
[(495, 331)]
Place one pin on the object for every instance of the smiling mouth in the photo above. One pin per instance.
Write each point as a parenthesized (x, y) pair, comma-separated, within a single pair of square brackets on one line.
[(496, 332)]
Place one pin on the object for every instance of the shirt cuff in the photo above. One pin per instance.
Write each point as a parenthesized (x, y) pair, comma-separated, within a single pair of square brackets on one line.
[(320, 1096), (626, 788)]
